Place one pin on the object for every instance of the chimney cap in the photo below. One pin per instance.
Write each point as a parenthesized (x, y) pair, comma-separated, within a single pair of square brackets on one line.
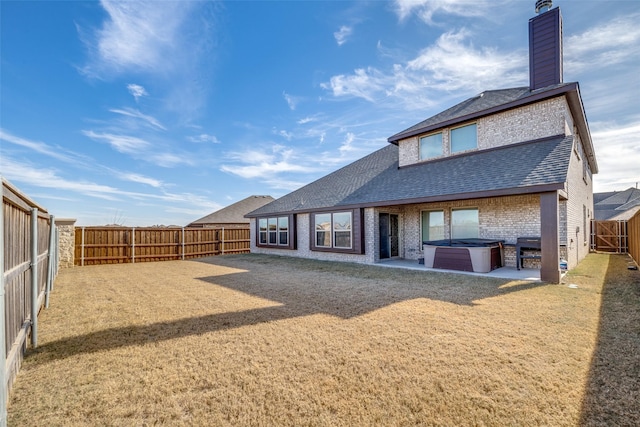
[(540, 4)]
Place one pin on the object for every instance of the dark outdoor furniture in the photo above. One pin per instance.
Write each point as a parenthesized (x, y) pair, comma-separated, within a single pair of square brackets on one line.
[(527, 248)]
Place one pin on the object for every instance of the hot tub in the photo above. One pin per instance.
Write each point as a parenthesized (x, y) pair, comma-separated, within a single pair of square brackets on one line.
[(477, 255)]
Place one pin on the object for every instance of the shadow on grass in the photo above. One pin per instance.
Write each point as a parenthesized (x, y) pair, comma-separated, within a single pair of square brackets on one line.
[(612, 396), (297, 288)]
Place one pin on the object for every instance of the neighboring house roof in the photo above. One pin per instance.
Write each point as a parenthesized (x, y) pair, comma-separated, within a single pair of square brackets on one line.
[(235, 213), (616, 204), (376, 180)]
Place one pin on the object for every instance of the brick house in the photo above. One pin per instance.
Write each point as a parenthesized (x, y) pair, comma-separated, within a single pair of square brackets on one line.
[(501, 165)]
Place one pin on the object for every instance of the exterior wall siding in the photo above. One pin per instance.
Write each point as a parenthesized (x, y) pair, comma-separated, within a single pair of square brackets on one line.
[(578, 207), (304, 245), (501, 218), (546, 118)]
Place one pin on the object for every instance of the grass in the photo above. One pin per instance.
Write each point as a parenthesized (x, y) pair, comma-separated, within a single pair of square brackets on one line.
[(263, 340)]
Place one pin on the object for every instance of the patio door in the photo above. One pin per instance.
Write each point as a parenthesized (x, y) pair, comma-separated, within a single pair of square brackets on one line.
[(389, 240)]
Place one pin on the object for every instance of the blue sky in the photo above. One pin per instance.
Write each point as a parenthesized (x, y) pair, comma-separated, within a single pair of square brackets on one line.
[(144, 113)]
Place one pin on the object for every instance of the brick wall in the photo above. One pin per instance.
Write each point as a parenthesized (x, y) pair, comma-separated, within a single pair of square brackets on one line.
[(539, 120), (303, 244), (501, 218), (579, 206)]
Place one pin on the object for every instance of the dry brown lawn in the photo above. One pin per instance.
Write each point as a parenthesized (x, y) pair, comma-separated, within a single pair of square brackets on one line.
[(263, 340)]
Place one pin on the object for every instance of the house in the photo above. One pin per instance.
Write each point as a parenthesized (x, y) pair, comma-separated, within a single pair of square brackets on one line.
[(616, 205), (233, 216), (504, 164)]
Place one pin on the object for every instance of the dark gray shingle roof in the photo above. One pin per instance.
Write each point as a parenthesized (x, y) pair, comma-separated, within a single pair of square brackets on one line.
[(611, 204), (376, 180), (234, 214), (477, 106)]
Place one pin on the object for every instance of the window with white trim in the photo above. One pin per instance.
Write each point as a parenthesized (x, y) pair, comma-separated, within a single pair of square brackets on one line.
[(464, 138)]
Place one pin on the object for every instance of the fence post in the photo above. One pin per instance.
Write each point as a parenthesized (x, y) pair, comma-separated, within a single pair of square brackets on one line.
[(3, 338), (82, 249), (222, 246), (133, 245), (183, 243), (51, 258), (34, 277)]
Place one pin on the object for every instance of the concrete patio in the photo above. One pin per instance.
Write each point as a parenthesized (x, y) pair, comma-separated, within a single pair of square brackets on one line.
[(529, 274)]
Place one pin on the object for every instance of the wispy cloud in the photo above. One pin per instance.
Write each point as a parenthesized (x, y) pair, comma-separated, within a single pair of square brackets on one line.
[(49, 178), (52, 179), (343, 34), (169, 41), (363, 83), (136, 91), (609, 44), (292, 101), (452, 63), (130, 112), (283, 133), (122, 143), (140, 179), (203, 137), (618, 155), (264, 164), (137, 36), (426, 9), (42, 148), (305, 120)]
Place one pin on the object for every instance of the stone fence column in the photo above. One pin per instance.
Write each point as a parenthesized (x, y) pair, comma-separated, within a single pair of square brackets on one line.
[(67, 241)]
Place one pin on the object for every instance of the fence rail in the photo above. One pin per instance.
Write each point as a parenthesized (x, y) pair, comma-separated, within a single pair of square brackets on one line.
[(116, 245), (633, 228), (29, 260)]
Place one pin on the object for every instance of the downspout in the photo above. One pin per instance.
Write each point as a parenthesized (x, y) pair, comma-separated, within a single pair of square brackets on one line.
[(34, 277), (3, 338)]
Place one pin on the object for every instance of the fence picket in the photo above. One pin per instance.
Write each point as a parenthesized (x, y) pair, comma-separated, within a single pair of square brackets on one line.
[(109, 245)]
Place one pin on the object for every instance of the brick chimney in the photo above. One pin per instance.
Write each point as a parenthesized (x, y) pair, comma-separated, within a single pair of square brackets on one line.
[(545, 46)]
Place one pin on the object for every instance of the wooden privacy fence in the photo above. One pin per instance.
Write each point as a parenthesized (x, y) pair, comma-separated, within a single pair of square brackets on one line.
[(114, 245), (28, 238), (633, 229), (609, 236)]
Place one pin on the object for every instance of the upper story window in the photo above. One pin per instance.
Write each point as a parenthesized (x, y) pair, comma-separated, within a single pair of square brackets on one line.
[(464, 138), (431, 146)]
